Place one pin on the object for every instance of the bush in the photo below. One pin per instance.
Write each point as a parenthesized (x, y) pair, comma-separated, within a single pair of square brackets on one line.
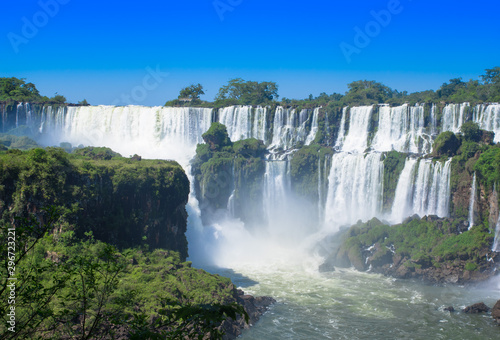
[(446, 144), (471, 131)]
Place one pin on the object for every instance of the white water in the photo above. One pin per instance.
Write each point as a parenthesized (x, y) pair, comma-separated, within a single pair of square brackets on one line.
[(401, 128), (314, 127), (432, 188), (359, 124), (244, 122), (488, 118), (403, 198), (341, 135), (472, 200), (454, 117), (354, 189), (496, 242), (289, 128)]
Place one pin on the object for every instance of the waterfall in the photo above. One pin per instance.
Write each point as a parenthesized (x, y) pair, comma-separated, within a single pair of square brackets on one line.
[(496, 241), (433, 129), (359, 124), (314, 127), (401, 128), (244, 122), (472, 201), (432, 188), (341, 135), (354, 188), (453, 117), (276, 191), (488, 118), (152, 132), (403, 197), (289, 128)]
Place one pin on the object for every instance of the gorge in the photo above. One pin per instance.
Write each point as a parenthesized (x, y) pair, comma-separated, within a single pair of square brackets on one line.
[(264, 214)]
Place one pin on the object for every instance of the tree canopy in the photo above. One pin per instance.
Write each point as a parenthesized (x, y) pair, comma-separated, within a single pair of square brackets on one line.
[(17, 90), (239, 91)]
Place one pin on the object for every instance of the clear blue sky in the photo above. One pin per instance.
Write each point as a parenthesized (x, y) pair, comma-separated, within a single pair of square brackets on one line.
[(101, 50)]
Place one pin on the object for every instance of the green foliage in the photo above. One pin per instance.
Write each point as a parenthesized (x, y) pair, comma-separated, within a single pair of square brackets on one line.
[(216, 137), (304, 169), (487, 167), (447, 144), (15, 142), (87, 289), (97, 153), (247, 92), (192, 92), (84, 103), (424, 242), (394, 163), (14, 89), (249, 148), (120, 200), (471, 131)]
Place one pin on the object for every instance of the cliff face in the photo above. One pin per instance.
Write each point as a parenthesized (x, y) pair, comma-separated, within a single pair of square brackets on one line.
[(122, 201)]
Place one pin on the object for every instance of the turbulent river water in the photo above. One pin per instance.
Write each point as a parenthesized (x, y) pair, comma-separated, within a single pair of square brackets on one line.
[(347, 304)]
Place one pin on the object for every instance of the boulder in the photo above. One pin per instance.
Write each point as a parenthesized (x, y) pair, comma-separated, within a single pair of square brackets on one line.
[(476, 308), (495, 312)]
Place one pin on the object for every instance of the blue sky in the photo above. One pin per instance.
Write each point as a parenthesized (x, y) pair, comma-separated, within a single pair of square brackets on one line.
[(120, 52)]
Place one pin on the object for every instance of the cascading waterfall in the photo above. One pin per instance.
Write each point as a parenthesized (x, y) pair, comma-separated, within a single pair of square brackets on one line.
[(276, 192), (152, 132), (314, 127), (433, 129), (341, 135), (488, 118), (403, 196), (472, 201), (289, 127), (359, 124), (354, 188), (401, 128), (423, 188), (454, 117), (244, 122), (496, 241), (432, 188)]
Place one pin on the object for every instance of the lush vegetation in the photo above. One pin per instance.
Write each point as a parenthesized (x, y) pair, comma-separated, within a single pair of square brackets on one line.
[(121, 200), (222, 168), (17, 90), (420, 243), (360, 92), (69, 287), (394, 163)]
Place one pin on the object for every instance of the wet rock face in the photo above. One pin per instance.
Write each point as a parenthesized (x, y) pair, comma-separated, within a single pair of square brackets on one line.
[(476, 308), (254, 306), (495, 312)]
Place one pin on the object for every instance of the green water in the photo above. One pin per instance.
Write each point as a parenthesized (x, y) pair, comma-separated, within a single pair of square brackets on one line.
[(347, 304)]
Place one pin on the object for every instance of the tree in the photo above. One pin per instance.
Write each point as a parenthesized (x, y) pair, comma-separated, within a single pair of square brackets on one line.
[(471, 131), (18, 90), (58, 99), (248, 92), (216, 137), (367, 92), (84, 103), (193, 92)]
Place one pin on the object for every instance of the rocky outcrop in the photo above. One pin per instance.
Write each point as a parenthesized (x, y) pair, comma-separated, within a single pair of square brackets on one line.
[(254, 306), (495, 312), (122, 201), (476, 308), (431, 249)]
